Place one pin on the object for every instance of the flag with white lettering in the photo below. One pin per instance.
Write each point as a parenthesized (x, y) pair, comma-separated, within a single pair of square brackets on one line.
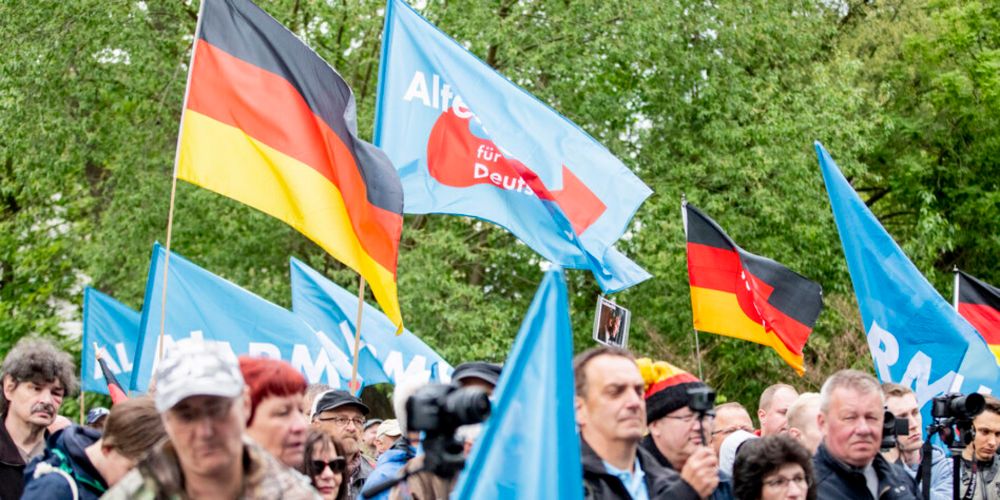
[(206, 307), (113, 328), (383, 355), (915, 337), (468, 141)]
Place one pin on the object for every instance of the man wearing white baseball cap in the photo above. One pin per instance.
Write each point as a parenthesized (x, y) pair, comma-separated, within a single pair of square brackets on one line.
[(203, 403)]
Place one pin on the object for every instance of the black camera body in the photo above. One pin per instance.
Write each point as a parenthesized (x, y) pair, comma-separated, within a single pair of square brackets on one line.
[(956, 406), (439, 410), (892, 428), (702, 400)]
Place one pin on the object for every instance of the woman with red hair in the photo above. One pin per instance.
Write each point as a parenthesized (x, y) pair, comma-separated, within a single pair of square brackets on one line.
[(277, 415)]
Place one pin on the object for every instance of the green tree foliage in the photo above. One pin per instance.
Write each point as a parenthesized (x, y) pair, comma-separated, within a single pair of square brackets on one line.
[(718, 101)]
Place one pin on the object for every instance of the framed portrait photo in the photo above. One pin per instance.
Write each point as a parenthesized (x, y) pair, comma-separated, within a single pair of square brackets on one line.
[(611, 322)]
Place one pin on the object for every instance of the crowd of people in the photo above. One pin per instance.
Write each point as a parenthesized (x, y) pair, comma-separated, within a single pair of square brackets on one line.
[(214, 427)]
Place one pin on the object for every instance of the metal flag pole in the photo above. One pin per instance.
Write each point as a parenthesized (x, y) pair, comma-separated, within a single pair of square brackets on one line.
[(954, 270), (355, 385), (697, 344)]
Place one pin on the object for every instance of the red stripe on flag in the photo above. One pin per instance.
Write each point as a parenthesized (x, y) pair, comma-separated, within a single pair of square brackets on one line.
[(715, 268), (268, 108), (985, 319)]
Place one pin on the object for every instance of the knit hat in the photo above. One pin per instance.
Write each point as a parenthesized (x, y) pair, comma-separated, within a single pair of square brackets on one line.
[(666, 387)]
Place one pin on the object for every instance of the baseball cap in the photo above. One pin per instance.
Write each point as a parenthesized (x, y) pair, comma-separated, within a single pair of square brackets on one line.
[(331, 400), (730, 447), (477, 369), (372, 422), (96, 414), (193, 368), (389, 428)]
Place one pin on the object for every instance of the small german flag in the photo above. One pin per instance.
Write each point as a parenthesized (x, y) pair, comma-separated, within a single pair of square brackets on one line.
[(114, 388), (269, 123), (979, 303), (738, 294)]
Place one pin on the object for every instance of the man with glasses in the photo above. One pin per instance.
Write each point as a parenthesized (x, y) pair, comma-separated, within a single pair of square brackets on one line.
[(729, 418), (848, 464), (204, 405), (676, 434), (342, 416)]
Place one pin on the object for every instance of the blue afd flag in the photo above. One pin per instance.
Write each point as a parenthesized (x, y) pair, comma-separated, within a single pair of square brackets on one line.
[(530, 448), (383, 356), (915, 337), (467, 141), (205, 307), (114, 327)]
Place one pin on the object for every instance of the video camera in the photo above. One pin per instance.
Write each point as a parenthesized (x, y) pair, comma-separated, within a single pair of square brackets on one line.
[(702, 402), (439, 410), (892, 429), (952, 414)]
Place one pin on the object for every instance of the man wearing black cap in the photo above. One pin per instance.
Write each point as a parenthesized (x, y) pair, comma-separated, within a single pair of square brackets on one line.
[(477, 374), (341, 415)]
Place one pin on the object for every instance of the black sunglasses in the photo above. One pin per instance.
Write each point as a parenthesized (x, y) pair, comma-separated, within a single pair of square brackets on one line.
[(336, 465)]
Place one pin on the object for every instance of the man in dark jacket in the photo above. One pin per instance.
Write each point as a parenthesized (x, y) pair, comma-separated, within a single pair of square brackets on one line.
[(676, 433), (848, 464), (611, 414), (35, 376)]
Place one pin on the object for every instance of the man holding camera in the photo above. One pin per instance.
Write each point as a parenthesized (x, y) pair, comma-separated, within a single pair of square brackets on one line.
[(980, 467), (902, 403), (611, 414), (679, 409), (848, 464)]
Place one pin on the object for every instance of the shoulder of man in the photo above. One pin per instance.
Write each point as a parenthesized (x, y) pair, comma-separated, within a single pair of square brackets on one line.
[(133, 486), (663, 482), (893, 480)]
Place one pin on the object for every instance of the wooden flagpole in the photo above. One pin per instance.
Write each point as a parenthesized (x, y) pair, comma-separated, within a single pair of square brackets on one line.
[(355, 385), (173, 191)]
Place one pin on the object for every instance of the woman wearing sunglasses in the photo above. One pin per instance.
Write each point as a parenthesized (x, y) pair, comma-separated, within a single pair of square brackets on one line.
[(325, 465)]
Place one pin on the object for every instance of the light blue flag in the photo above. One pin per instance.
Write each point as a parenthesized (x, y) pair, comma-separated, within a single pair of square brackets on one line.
[(468, 141), (530, 448), (383, 356), (206, 307), (915, 337), (114, 327)]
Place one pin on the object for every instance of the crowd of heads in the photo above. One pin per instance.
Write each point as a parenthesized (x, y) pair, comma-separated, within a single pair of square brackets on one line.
[(218, 426)]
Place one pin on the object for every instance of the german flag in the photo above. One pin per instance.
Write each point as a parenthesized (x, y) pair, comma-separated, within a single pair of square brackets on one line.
[(746, 296), (114, 388), (979, 303), (270, 124)]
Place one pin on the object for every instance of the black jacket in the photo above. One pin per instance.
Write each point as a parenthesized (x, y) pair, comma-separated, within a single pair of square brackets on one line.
[(660, 481), (835, 480), (11, 465), (65, 451), (724, 491)]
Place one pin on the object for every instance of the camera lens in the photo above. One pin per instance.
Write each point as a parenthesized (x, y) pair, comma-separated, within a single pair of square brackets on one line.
[(468, 406), (967, 407)]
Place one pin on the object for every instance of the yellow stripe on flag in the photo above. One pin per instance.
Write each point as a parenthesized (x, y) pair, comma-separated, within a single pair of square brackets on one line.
[(226, 160), (719, 312)]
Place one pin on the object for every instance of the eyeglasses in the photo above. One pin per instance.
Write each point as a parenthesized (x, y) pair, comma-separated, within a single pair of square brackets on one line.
[(781, 482), (342, 421), (336, 465), (690, 417)]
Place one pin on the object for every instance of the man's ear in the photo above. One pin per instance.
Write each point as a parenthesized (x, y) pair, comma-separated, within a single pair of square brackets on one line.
[(578, 405), (760, 416), (821, 422), (794, 432), (9, 384)]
